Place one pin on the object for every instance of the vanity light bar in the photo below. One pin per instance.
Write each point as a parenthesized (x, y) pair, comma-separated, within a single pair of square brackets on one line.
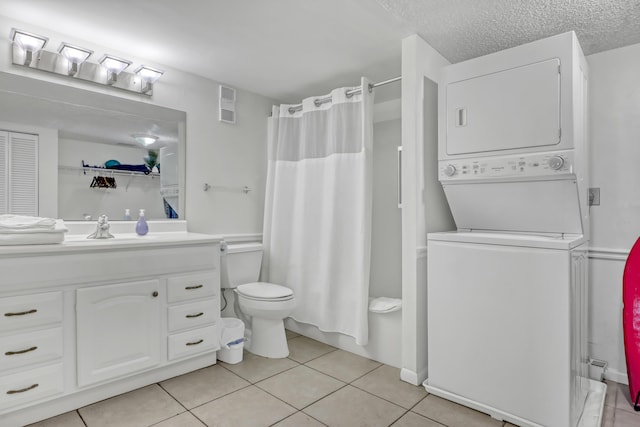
[(75, 55), (149, 76), (28, 42), (114, 66), (72, 61)]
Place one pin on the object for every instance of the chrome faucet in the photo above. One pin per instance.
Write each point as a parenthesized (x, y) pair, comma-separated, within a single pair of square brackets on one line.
[(102, 229)]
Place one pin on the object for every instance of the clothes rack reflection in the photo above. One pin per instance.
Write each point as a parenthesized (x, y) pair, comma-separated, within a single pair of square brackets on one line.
[(103, 182)]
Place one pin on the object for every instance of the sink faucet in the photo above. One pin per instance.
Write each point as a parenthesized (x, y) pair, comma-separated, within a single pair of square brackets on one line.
[(102, 229)]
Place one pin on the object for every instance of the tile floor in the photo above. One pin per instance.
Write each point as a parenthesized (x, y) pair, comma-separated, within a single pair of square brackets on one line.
[(316, 385)]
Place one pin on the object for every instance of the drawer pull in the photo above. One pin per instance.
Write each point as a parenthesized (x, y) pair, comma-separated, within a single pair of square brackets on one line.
[(22, 390), (191, 316), (195, 342), (190, 288), (22, 313), (11, 353)]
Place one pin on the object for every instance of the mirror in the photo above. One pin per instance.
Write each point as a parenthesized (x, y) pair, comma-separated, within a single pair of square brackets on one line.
[(102, 168)]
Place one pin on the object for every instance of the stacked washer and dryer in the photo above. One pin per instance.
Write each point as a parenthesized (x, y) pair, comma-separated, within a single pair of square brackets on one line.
[(507, 291)]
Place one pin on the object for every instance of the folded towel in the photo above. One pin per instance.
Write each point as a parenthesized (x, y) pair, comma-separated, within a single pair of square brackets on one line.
[(11, 239), (22, 222), (58, 227), (384, 304)]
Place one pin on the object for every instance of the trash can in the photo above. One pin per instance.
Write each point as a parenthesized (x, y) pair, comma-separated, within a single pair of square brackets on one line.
[(231, 340)]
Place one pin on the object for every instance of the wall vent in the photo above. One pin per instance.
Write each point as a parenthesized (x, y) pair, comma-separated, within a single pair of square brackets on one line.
[(227, 104)]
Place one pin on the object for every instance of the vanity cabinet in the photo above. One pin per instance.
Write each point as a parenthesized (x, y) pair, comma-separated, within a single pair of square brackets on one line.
[(85, 320), (118, 330)]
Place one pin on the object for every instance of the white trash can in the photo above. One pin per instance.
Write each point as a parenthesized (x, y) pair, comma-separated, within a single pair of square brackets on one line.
[(231, 340)]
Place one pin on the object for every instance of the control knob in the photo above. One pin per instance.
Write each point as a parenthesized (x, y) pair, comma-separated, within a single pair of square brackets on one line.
[(556, 163), (449, 170)]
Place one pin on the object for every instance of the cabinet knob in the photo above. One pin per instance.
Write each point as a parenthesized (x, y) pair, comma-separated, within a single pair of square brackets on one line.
[(155, 294)]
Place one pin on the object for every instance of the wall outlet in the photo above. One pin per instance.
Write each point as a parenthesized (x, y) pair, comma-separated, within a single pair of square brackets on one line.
[(594, 196)]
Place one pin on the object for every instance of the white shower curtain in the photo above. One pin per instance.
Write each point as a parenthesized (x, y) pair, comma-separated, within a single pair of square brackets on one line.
[(317, 224)]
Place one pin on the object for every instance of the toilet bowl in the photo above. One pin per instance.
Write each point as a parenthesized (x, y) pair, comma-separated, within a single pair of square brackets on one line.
[(267, 304), (263, 306)]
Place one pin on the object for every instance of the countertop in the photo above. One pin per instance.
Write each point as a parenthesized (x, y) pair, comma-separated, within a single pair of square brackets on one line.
[(80, 243)]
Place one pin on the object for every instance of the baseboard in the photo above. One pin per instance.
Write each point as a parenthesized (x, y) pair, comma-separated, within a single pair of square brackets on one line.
[(409, 376), (617, 376), (412, 377)]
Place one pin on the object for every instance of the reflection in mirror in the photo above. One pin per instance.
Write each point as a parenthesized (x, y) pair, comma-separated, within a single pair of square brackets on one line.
[(104, 166)]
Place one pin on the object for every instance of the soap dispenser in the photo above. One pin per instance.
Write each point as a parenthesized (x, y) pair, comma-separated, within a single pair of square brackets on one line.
[(142, 227), (127, 215)]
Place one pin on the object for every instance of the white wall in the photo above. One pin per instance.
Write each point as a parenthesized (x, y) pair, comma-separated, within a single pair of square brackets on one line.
[(216, 153), (424, 208), (76, 197), (615, 224)]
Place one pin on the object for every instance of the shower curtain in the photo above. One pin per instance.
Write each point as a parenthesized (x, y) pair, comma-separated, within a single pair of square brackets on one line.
[(317, 223)]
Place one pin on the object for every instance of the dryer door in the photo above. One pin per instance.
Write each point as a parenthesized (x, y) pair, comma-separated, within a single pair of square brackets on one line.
[(511, 109)]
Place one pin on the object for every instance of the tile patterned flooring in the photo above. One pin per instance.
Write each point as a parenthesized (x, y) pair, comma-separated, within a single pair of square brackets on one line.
[(317, 385)]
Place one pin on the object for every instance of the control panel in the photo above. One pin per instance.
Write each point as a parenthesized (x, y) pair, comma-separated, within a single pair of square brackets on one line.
[(525, 166)]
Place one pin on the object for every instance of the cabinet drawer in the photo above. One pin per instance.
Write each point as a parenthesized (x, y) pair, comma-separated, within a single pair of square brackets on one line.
[(24, 387), (30, 347), (193, 342), (182, 288), (27, 311), (193, 314)]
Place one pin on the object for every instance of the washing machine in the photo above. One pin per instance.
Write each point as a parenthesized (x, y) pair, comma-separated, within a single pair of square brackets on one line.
[(507, 295), (507, 326)]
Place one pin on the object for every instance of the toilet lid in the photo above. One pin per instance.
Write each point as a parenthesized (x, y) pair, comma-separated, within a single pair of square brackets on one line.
[(264, 290)]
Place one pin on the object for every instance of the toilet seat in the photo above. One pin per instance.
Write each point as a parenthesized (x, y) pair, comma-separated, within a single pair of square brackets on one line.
[(264, 291)]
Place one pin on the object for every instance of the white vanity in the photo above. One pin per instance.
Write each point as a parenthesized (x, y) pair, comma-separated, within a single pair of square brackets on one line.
[(88, 319)]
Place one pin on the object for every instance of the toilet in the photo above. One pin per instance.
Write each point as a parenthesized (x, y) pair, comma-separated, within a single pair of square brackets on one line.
[(264, 304)]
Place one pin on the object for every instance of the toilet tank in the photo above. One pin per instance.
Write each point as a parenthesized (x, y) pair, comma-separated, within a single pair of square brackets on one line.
[(239, 264)]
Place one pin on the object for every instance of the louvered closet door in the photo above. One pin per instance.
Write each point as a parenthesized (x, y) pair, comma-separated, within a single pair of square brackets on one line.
[(4, 172), (23, 174)]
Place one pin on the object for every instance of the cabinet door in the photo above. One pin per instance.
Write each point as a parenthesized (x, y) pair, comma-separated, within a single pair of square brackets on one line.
[(118, 330)]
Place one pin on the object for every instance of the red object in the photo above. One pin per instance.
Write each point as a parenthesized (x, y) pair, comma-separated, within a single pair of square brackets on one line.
[(631, 321)]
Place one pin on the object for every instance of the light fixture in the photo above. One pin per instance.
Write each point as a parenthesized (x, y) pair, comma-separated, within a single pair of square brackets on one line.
[(28, 50), (149, 76), (75, 55), (30, 43), (114, 66), (145, 139)]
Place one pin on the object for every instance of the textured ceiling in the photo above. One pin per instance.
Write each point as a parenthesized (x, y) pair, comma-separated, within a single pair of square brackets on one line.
[(291, 49), (464, 29)]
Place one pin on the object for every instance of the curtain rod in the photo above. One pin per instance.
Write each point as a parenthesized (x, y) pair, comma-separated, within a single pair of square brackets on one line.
[(348, 93)]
